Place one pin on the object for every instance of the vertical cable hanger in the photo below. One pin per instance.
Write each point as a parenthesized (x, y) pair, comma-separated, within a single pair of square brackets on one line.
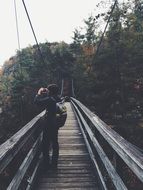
[(19, 47), (101, 39), (33, 31), (106, 26), (17, 28)]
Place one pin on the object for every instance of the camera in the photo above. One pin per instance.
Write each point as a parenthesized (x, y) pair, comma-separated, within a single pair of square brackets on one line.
[(44, 91)]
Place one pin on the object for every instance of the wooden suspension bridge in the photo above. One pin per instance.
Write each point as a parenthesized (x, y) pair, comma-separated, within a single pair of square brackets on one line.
[(92, 156)]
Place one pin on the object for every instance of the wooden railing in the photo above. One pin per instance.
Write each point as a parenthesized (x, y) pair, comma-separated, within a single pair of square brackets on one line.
[(20, 156), (118, 163)]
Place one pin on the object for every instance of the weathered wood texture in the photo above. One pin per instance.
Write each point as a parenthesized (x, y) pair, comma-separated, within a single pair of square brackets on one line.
[(74, 166), (108, 165), (12, 146), (130, 155)]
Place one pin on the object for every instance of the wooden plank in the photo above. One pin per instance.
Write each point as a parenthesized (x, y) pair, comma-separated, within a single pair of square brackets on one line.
[(66, 130), (74, 162), (74, 158), (67, 180), (73, 153), (60, 175), (71, 171), (72, 146), (70, 140), (69, 188), (69, 127), (70, 132), (67, 185), (72, 166)]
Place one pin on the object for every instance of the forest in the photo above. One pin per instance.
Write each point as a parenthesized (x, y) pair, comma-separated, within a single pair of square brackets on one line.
[(107, 78)]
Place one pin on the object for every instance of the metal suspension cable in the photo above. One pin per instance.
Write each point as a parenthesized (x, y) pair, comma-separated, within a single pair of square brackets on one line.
[(33, 31), (101, 39), (16, 20), (17, 30), (106, 27), (20, 68)]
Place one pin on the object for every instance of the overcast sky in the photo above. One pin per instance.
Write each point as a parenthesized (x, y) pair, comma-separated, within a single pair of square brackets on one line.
[(53, 20)]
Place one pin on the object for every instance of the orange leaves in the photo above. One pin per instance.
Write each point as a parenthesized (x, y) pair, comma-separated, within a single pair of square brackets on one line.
[(88, 49)]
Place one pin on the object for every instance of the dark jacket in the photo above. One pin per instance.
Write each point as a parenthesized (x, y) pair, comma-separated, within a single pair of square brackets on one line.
[(48, 103)]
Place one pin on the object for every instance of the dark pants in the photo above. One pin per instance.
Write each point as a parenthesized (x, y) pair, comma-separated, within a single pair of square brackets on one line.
[(50, 138)]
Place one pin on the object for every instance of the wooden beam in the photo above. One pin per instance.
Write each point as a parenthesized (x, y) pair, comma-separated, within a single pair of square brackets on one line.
[(109, 167), (14, 185), (99, 174), (131, 156), (34, 174), (11, 147)]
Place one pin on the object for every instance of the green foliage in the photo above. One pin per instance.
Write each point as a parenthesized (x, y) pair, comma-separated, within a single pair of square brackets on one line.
[(21, 77), (91, 25), (113, 87)]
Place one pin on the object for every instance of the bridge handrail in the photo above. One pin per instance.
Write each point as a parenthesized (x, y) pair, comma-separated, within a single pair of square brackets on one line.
[(128, 152), (14, 142), (91, 139), (8, 150)]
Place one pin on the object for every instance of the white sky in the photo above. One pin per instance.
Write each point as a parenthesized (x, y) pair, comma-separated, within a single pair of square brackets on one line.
[(53, 20)]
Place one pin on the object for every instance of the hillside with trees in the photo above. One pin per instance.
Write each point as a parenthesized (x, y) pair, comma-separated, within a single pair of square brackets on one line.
[(21, 77), (109, 80)]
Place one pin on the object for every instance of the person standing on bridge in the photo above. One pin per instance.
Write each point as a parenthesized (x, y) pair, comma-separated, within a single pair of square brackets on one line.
[(47, 98)]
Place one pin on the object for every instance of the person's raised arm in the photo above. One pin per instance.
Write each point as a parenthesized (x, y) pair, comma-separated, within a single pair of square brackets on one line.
[(41, 97)]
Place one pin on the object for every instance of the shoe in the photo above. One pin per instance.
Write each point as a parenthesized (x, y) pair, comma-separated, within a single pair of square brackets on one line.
[(45, 165), (54, 165)]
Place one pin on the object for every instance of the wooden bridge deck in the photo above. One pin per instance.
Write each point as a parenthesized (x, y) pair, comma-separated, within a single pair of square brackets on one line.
[(74, 167)]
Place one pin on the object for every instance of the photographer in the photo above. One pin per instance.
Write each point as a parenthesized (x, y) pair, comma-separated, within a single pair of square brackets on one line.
[(47, 98)]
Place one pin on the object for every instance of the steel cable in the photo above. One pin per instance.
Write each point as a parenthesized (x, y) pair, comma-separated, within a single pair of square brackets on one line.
[(33, 31)]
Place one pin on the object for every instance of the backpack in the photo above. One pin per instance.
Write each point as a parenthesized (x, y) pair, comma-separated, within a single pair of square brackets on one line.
[(61, 114)]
